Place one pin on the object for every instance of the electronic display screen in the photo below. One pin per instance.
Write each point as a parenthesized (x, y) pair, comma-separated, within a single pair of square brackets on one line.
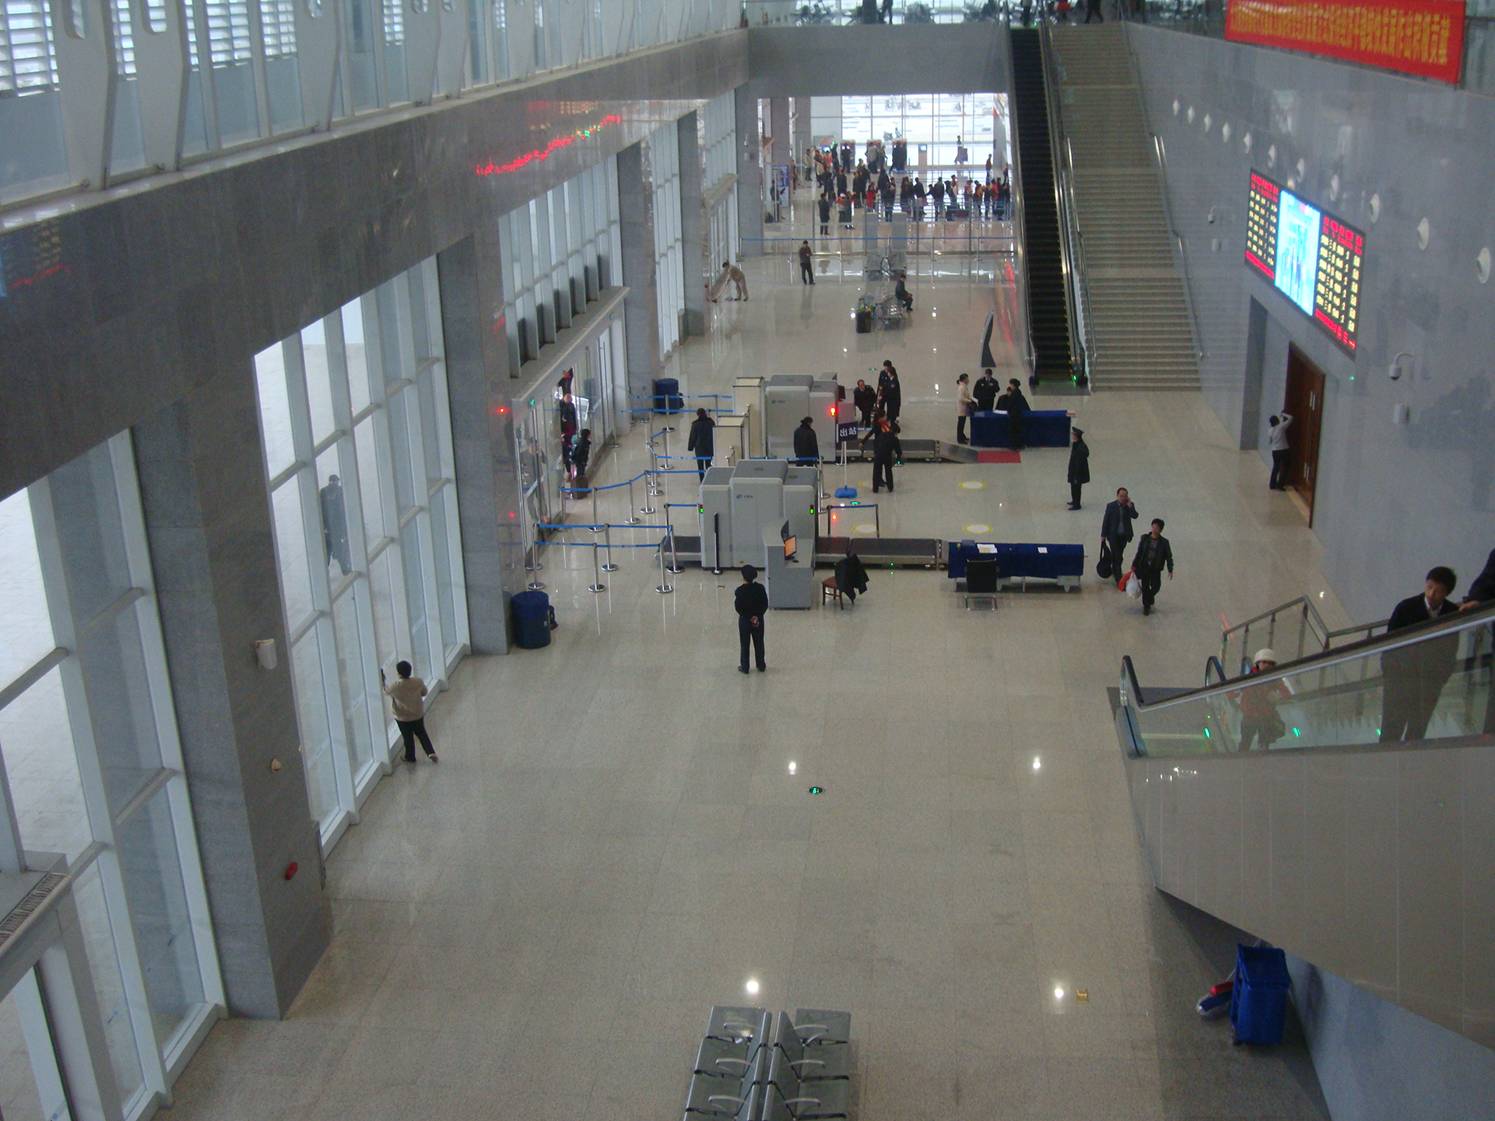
[(1310, 256)]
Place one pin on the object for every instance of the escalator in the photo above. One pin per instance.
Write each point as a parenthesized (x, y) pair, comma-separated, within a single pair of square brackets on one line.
[(1371, 860), (1048, 312)]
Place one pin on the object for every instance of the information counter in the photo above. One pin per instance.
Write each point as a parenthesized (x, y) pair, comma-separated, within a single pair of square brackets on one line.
[(1042, 428)]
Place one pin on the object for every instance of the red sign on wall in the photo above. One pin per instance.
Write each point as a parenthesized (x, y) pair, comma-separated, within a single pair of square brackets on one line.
[(1422, 37)]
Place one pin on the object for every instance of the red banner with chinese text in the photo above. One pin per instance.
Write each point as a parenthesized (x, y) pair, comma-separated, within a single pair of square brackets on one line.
[(1422, 37)]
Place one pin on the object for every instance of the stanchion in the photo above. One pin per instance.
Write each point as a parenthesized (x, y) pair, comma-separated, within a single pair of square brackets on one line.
[(531, 547), (607, 540), (674, 556), (664, 587), (633, 512), (596, 585), (595, 519)]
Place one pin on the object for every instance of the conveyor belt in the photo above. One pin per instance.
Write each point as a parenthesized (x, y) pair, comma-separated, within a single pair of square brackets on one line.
[(900, 552)]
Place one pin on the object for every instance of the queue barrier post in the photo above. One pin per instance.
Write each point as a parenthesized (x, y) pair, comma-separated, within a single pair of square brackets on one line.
[(674, 556), (664, 587), (607, 539), (594, 510), (596, 585), (634, 512)]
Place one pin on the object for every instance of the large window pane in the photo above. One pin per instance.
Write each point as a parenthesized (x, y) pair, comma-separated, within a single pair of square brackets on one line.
[(415, 598), (28, 625), (90, 536), (119, 699), (275, 410), (357, 354), (290, 547), (108, 985), (151, 867), (318, 380), (443, 520), (316, 742), (370, 482), (351, 665), (36, 738), (332, 503), (381, 593)]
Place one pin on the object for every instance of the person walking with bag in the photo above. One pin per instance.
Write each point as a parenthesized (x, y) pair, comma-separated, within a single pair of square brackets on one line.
[(407, 700), (1153, 555), (751, 604), (1079, 466), (1116, 528)]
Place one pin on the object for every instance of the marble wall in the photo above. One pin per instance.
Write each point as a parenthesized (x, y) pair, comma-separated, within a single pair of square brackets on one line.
[(1383, 153)]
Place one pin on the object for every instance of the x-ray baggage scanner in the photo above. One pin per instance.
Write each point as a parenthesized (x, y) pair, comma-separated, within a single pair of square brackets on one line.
[(788, 399), (740, 502)]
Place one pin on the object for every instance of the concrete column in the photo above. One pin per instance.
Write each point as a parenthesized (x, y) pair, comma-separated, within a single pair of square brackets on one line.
[(779, 129), (695, 267), (207, 517), (641, 305), (749, 173), (803, 136), (477, 374)]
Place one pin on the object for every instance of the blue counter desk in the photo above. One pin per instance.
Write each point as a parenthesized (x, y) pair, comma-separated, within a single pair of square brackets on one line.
[(1042, 428), (1064, 563)]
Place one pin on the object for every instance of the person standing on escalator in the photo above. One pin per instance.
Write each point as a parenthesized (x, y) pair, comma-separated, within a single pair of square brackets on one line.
[(1412, 677)]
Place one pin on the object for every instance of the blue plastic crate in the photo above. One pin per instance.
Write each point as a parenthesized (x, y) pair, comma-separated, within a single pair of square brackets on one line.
[(1258, 1002)]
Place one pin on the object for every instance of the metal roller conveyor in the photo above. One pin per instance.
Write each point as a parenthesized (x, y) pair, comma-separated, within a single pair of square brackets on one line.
[(900, 552)]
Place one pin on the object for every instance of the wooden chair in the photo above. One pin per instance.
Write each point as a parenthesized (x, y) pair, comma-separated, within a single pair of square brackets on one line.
[(829, 590)]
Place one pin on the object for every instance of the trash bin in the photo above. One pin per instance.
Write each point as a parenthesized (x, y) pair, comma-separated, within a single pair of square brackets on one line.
[(531, 620), (667, 394), (864, 321), (1258, 1002)]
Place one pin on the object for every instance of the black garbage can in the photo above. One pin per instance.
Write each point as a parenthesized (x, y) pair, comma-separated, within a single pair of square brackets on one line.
[(864, 321), (667, 394), (531, 620)]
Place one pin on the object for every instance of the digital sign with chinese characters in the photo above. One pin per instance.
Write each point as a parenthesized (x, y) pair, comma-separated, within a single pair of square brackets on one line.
[(1310, 256), (1422, 37)]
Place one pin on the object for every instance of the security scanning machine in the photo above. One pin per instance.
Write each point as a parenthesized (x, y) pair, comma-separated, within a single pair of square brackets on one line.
[(788, 399), (749, 510)]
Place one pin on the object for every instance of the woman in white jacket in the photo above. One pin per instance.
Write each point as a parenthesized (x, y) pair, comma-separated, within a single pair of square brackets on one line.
[(964, 403)]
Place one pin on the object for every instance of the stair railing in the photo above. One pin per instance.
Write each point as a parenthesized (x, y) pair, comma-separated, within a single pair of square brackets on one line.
[(1019, 241), (1297, 620), (1063, 202), (1180, 254)]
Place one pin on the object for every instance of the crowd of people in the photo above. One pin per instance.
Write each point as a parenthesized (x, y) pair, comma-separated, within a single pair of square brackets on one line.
[(875, 187)]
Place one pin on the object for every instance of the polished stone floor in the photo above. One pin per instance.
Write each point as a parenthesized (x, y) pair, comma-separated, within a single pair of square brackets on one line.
[(620, 832)]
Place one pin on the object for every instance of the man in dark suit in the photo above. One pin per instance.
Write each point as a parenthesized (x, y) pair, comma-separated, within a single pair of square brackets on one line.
[(1153, 555), (1412, 677), (1079, 466), (1116, 527), (751, 604)]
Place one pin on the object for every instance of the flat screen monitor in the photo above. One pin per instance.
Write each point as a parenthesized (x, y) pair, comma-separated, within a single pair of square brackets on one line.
[(789, 544), (1309, 255)]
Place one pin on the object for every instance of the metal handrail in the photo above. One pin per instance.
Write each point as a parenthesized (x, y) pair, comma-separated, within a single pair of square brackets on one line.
[(1395, 640), (1019, 243), (1311, 616), (1061, 203)]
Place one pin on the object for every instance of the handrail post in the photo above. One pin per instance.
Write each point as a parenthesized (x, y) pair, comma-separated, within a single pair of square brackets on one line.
[(596, 585), (607, 539), (664, 587)]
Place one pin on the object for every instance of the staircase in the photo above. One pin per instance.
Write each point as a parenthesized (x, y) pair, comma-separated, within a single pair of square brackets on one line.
[(1141, 331), (1048, 314)]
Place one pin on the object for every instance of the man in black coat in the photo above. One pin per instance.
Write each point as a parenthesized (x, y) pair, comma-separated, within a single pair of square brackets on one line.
[(985, 391), (1116, 527), (1017, 409), (864, 397), (1412, 677), (1079, 466), (1153, 555), (806, 444), (825, 214), (751, 603), (702, 441), (885, 447), (890, 390)]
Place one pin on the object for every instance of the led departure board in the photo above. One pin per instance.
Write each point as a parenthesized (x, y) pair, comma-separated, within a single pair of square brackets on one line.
[(1310, 256)]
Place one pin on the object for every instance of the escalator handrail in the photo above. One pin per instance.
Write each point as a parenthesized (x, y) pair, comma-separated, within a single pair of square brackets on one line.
[(1379, 644), (1320, 627)]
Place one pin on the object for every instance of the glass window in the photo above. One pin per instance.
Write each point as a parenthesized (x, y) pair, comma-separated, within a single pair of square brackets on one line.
[(108, 981), (45, 787), (415, 599), (290, 548), (119, 697), (357, 356), (275, 409), (28, 632), (318, 380), (352, 671), (370, 482), (316, 740), (152, 871)]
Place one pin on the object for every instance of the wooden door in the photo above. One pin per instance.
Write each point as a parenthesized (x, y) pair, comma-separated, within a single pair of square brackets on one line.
[(1305, 401)]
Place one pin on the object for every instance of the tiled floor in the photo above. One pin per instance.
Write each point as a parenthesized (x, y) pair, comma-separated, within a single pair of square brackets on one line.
[(620, 834)]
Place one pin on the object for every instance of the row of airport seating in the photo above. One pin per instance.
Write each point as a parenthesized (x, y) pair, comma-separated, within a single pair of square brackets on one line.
[(756, 1066)]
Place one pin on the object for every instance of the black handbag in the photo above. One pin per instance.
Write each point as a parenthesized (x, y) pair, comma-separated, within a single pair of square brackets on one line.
[(1105, 567)]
